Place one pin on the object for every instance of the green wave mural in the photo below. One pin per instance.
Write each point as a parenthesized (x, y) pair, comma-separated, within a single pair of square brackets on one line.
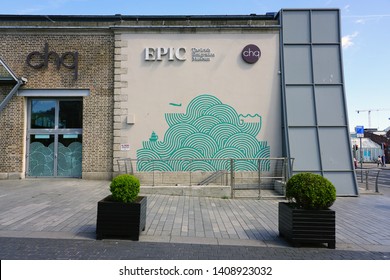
[(208, 130)]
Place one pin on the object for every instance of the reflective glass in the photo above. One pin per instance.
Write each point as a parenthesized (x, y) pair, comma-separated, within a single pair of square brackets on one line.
[(69, 155), (70, 115), (41, 155), (43, 113)]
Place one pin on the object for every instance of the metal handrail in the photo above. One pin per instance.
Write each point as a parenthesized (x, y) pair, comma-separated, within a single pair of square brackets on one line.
[(272, 173), (371, 178)]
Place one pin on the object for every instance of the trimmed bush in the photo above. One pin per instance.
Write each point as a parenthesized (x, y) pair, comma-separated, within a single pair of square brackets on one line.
[(310, 191), (125, 188)]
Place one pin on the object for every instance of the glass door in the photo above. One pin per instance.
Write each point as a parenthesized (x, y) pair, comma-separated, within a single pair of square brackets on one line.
[(69, 155), (54, 137), (41, 155)]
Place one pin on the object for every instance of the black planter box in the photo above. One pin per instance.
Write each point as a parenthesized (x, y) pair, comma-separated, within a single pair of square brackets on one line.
[(121, 220), (307, 226)]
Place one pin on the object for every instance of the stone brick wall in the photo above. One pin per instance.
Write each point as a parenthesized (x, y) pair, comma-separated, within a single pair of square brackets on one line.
[(95, 72), (11, 136)]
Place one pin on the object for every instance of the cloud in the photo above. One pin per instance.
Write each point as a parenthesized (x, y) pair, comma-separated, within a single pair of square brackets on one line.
[(29, 11), (362, 19), (347, 41)]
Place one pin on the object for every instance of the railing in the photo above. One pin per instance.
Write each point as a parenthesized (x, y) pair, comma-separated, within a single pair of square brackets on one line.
[(265, 182), (372, 179), (247, 177), (125, 165)]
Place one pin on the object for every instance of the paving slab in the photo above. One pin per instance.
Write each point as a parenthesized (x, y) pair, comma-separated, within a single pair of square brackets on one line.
[(66, 210)]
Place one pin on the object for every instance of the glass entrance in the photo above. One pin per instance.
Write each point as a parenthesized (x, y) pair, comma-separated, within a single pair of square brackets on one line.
[(54, 138)]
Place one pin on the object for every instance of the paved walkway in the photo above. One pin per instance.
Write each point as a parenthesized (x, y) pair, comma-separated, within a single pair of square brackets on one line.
[(37, 213)]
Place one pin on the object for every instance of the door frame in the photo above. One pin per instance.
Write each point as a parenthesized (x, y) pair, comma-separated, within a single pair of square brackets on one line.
[(56, 131)]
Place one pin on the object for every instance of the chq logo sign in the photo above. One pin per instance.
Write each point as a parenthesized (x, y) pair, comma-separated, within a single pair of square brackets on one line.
[(38, 60), (251, 54)]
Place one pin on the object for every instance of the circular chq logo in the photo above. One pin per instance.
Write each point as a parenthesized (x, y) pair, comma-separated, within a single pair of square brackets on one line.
[(251, 54)]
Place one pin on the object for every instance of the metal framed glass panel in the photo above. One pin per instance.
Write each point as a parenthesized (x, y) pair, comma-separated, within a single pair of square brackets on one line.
[(330, 111), (326, 66), (297, 27), (344, 181), (69, 155), (70, 114), (325, 27), (304, 149), (41, 155), (299, 97), (315, 118), (298, 67), (335, 152), (42, 114)]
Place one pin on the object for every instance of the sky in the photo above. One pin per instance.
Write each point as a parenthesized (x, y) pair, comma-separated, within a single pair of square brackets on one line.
[(365, 31)]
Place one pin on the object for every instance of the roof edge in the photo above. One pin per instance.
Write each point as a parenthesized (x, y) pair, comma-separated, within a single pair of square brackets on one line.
[(120, 17)]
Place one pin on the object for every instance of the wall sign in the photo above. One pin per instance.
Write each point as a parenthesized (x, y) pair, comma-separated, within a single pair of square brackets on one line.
[(38, 60), (251, 54), (202, 54), (125, 147), (152, 54), (179, 54)]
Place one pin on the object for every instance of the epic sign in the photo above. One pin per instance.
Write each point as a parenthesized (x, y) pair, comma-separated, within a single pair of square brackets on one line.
[(251, 54), (39, 60), (152, 54)]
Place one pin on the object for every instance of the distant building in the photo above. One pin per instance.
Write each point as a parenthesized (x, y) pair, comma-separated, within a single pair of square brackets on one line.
[(368, 152), (382, 139)]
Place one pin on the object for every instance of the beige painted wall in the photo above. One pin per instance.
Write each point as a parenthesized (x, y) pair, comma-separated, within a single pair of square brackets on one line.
[(152, 85)]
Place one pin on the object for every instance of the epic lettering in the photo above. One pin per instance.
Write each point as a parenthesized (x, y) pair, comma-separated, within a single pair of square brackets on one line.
[(39, 60), (152, 54)]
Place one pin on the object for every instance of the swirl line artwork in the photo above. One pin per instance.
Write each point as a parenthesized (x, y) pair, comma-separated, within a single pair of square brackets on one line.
[(209, 130)]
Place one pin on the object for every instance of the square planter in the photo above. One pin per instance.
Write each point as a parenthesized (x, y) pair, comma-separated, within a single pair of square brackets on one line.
[(307, 226), (121, 220)]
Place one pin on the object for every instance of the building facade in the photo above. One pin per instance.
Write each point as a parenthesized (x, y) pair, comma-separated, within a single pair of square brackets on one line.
[(204, 88), (59, 123)]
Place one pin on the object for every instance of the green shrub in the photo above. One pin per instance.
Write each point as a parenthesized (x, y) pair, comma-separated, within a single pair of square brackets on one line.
[(125, 188), (310, 191)]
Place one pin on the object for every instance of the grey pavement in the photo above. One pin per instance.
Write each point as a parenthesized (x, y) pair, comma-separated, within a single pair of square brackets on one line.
[(56, 219)]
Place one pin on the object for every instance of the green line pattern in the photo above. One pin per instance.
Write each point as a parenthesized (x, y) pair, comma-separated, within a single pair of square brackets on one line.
[(208, 130), (41, 160)]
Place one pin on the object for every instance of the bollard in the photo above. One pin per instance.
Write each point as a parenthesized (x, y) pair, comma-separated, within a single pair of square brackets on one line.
[(367, 180), (376, 182), (232, 180), (153, 172)]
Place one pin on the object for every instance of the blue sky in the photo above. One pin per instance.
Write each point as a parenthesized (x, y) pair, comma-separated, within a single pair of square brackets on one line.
[(365, 30)]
